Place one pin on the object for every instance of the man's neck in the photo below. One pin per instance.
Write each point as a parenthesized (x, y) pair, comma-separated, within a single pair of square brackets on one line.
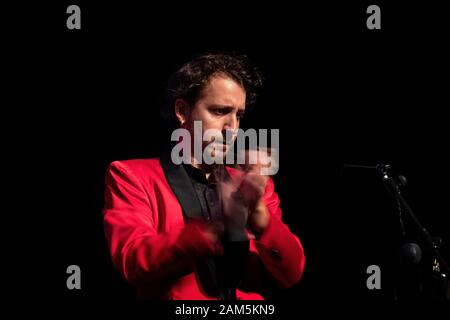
[(206, 168)]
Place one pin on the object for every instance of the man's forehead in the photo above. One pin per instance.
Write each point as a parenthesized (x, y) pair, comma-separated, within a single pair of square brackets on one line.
[(224, 92), (223, 83)]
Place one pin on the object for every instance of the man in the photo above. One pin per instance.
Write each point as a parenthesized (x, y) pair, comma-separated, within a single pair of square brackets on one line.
[(198, 230)]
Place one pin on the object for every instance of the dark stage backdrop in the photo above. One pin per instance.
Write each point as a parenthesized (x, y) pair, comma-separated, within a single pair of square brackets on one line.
[(338, 92)]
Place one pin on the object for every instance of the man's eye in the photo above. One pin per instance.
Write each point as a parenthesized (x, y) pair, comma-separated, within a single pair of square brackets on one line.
[(220, 111)]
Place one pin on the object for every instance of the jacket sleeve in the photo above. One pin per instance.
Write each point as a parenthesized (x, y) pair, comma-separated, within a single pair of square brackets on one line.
[(138, 251), (280, 250)]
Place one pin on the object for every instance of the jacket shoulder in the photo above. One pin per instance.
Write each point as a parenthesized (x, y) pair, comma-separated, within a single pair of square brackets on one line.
[(137, 167)]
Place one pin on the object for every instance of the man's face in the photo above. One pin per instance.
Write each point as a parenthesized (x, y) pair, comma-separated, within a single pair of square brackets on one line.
[(220, 106)]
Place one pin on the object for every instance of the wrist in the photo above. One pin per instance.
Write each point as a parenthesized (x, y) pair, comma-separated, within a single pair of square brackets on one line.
[(260, 218)]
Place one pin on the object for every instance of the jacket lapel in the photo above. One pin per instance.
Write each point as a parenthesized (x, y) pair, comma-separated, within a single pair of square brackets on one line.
[(182, 187)]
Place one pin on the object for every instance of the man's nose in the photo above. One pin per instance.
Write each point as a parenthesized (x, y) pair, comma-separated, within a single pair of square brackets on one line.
[(231, 122), (230, 128)]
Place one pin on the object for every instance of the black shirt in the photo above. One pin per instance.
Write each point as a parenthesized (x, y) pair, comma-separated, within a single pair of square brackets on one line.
[(221, 275), (207, 192)]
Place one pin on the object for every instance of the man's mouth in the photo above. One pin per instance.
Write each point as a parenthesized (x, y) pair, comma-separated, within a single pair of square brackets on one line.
[(220, 146)]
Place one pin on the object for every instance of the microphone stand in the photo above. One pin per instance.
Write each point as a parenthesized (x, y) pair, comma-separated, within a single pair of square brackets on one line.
[(392, 184)]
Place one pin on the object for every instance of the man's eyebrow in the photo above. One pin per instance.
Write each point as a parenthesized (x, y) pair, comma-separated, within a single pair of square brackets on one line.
[(222, 106), (227, 107)]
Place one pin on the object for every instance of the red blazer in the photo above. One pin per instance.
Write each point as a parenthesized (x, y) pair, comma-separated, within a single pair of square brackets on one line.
[(156, 251)]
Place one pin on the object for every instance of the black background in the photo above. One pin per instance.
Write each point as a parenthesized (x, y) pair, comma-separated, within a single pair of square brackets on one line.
[(338, 92)]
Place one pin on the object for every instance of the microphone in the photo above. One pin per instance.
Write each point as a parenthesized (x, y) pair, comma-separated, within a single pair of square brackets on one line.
[(411, 253)]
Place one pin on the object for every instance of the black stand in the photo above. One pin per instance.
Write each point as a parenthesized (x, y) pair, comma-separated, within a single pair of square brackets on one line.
[(440, 267)]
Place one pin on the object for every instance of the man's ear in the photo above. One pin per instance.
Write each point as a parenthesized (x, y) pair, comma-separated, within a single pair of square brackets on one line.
[(181, 111)]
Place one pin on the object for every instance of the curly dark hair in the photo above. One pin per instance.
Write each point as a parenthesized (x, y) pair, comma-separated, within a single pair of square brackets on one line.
[(188, 82)]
